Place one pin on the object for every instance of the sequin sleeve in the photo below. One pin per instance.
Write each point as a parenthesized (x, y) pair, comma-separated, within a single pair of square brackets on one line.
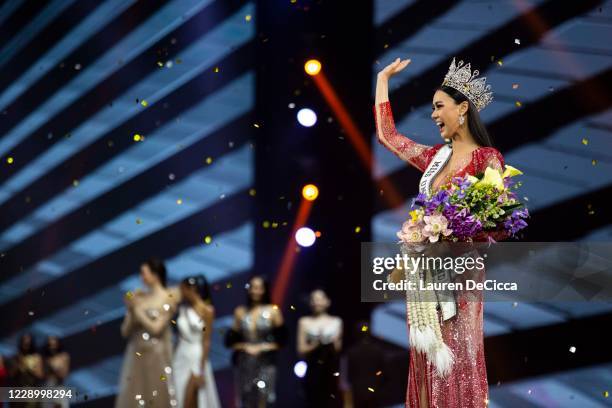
[(489, 157), (418, 155)]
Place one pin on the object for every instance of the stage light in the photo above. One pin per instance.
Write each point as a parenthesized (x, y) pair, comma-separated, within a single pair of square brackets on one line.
[(312, 67), (305, 237), (306, 117), (310, 192), (300, 369)]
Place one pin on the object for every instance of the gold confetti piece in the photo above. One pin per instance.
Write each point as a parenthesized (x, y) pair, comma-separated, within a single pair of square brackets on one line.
[(138, 221), (517, 41), (585, 141), (364, 328), (266, 224), (515, 86), (216, 69), (137, 137), (247, 17), (274, 306), (129, 294), (173, 322), (593, 162), (500, 62), (228, 285), (357, 230), (144, 103), (9, 160), (293, 1), (160, 64), (209, 160), (252, 192), (292, 307), (256, 125), (75, 183), (572, 349), (518, 104), (386, 46), (162, 377), (138, 354), (370, 389), (378, 373), (606, 394), (207, 239), (179, 201)]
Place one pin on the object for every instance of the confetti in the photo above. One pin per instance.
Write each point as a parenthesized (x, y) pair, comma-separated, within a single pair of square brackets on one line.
[(138, 354), (166, 307), (585, 141), (169, 64), (252, 192), (171, 176), (593, 162), (336, 374), (517, 41), (572, 349), (179, 201), (144, 103), (500, 62), (275, 225), (256, 125), (75, 183), (292, 307), (378, 373), (364, 328), (137, 137), (9, 160), (162, 377), (370, 389), (291, 105), (266, 224), (228, 285), (318, 234), (77, 66), (30, 313), (386, 46), (357, 230), (160, 64), (207, 239), (209, 160), (216, 69), (515, 86), (248, 17), (518, 104), (606, 394), (138, 221)]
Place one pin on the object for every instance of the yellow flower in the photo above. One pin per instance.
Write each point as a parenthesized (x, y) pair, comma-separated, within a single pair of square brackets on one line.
[(472, 179), (414, 215), (511, 172), (492, 177)]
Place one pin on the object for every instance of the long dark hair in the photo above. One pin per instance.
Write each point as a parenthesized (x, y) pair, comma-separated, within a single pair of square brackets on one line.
[(475, 125), (47, 351), (158, 269), (21, 346), (201, 285), (265, 299)]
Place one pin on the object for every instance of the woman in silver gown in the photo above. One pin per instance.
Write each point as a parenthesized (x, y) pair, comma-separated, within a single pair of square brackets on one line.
[(256, 335)]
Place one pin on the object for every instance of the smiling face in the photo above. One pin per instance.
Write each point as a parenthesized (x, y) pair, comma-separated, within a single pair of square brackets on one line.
[(445, 113)]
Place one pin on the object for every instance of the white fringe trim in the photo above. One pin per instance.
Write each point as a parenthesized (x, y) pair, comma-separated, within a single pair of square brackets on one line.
[(422, 340), (443, 359)]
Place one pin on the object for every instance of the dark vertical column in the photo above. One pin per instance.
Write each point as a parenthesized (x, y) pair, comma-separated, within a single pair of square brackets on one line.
[(340, 35)]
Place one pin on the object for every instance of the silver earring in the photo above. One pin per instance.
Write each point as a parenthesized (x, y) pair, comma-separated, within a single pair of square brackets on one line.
[(461, 120)]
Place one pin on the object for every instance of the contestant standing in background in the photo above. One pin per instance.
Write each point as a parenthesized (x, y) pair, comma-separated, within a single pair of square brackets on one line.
[(57, 366), (193, 375), (257, 333), (147, 373), (27, 369), (319, 341), (455, 107)]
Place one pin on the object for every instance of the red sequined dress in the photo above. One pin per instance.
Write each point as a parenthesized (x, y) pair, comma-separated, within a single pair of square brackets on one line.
[(466, 386)]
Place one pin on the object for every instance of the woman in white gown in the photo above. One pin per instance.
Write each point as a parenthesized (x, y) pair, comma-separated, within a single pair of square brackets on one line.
[(193, 375)]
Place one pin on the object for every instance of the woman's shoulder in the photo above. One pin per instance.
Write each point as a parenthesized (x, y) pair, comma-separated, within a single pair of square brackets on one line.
[(486, 153)]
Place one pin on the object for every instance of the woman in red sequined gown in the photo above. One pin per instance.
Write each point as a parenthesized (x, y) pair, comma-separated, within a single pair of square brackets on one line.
[(458, 120)]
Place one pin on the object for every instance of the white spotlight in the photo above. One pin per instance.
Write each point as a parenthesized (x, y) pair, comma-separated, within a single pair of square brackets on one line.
[(306, 117), (305, 237), (300, 369)]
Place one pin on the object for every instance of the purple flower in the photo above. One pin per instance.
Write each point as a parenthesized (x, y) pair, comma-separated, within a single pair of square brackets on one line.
[(516, 221)]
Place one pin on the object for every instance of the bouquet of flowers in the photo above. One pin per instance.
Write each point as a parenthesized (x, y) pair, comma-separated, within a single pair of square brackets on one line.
[(469, 207)]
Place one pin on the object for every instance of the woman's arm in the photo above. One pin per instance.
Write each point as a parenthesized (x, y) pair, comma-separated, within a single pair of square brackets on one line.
[(338, 338), (207, 313), (154, 327), (406, 149), (303, 347)]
